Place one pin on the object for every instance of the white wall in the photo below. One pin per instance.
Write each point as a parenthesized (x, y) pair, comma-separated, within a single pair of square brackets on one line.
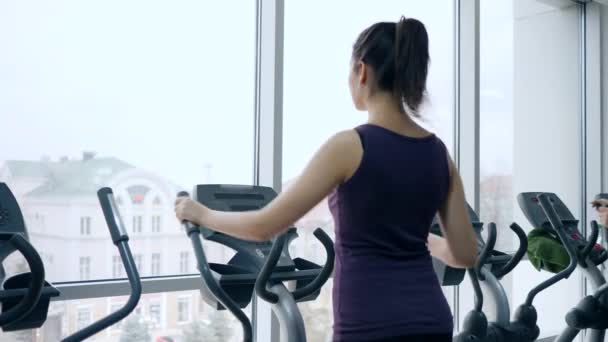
[(546, 128)]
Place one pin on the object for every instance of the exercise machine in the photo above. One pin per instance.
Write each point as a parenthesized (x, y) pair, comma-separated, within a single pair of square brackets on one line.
[(120, 238), (547, 211), (263, 267), (24, 297), (447, 275), (257, 267), (490, 267)]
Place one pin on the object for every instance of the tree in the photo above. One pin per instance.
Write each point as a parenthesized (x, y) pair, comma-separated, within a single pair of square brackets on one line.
[(317, 322), (134, 329), (217, 328), (22, 336), (197, 331)]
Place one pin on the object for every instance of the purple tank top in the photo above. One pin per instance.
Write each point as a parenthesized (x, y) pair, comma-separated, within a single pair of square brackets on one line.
[(384, 283)]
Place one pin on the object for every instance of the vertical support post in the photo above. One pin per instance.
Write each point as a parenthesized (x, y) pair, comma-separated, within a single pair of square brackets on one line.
[(466, 108), (268, 128)]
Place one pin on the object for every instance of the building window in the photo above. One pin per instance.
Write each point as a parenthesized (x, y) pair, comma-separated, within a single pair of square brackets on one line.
[(184, 262), (83, 317), (154, 312), (155, 270), (139, 262), (157, 202), (85, 268), (137, 224), (117, 266), (183, 310), (156, 224), (85, 226), (138, 193)]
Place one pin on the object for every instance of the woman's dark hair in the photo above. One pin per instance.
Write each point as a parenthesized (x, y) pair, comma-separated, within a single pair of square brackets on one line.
[(398, 53)]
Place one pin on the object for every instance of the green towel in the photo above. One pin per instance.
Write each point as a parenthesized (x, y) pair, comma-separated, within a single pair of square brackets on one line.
[(546, 252)]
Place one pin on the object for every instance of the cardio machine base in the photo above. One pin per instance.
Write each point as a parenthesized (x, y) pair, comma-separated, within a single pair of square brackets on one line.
[(14, 288)]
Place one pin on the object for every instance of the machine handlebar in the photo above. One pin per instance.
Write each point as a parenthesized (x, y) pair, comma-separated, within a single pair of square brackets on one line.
[(326, 271), (34, 291), (120, 239), (209, 280), (557, 225), (521, 251), (595, 232)]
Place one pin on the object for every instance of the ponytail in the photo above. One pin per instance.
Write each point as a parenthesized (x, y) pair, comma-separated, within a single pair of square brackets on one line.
[(399, 55), (411, 63)]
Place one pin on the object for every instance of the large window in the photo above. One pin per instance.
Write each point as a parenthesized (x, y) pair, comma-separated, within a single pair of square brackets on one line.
[(128, 95), (530, 140), (317, 102)]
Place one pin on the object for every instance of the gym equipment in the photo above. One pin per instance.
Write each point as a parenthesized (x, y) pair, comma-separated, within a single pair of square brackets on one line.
[(262, 266), (24, 297), (547, 211), (447, 275), (490, 267), (121, 241)]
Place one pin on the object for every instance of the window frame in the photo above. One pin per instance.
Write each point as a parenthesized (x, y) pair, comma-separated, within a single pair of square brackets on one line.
[(187, 300), (79, 310), (85, 225), (84, 263), (117, 267), (184, 262), (155, 264)]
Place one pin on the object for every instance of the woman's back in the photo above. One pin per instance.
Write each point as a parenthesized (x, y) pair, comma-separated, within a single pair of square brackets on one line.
[(384, 281)]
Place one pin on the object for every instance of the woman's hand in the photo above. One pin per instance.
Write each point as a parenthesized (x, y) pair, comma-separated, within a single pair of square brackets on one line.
[(187, 209)]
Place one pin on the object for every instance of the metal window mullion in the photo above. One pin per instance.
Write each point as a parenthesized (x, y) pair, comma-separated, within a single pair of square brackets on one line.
[(121, 287), (466, 105), (268, 127), (591, 111)]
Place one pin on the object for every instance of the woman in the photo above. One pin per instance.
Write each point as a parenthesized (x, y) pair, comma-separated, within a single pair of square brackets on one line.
[(386, 180), (600, 204)]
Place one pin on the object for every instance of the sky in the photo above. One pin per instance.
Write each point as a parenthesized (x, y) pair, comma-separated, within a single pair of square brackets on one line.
[(168, 85)]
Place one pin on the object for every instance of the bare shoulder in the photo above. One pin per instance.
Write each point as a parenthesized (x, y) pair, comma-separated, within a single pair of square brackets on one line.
[(346, 141), (348, 151)]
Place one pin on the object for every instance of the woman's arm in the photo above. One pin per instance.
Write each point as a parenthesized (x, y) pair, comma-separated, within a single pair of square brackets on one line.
[(458, 247), (333, 163)]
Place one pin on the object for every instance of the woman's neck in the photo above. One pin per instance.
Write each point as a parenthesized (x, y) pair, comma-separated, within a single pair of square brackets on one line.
[(383, 110)]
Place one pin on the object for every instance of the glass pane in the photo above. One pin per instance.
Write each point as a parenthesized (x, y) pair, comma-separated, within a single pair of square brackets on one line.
[(160, 317), (530, 139), (317, 102), (142, 88)]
